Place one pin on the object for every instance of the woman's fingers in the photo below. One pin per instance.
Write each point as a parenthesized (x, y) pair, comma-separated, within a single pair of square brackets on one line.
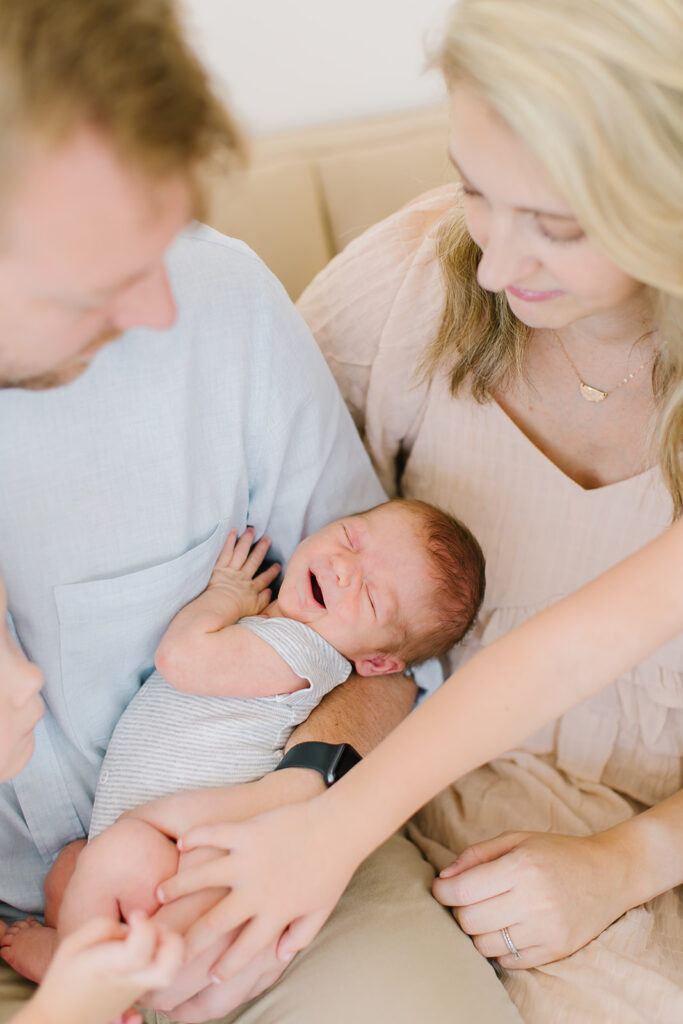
[(475, 884), (494, 947), (490, 915), (481, 853)]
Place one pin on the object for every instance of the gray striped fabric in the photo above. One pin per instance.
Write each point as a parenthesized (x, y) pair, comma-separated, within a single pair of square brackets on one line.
[(167, 741)]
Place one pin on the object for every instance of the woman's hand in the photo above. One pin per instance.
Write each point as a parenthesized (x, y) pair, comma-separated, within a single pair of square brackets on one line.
[(553, 894)]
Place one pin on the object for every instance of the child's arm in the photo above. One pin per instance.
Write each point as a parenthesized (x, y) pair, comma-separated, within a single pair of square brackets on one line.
[(100, 970), (204, 652), (292, 864)]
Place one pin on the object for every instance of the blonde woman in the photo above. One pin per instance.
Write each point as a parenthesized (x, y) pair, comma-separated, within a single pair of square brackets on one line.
[(512, 349)]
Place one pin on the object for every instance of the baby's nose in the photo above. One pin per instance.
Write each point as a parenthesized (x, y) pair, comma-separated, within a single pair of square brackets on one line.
[(343, 571)]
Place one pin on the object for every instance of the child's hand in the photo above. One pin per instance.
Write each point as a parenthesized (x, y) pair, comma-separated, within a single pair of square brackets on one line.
[(235, 577), (100, 970)]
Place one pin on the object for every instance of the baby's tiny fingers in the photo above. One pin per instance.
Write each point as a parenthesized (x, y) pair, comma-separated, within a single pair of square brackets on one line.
[(265, 578), (242, 549), (256, 555), (227, 551)]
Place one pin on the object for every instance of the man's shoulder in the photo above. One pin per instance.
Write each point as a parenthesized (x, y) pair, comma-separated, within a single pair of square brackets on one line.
[(203, 254)]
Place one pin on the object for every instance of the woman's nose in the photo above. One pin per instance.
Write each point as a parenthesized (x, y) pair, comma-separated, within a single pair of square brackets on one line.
[(505, 259)]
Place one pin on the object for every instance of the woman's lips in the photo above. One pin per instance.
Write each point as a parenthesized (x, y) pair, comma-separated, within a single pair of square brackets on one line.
[(527, 295)]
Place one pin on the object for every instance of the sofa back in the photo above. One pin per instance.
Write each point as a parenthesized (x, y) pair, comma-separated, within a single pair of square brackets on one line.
[(306, 194)]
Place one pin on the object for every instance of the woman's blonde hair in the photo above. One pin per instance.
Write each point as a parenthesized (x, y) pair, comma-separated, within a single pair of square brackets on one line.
[(594, 88), (123, 66)]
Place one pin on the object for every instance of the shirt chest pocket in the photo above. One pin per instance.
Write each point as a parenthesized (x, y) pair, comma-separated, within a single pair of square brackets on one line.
[(109, 630)]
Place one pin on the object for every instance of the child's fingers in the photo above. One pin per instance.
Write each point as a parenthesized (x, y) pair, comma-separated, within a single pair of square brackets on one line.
[(139, 946), (167, 960), (263, 600), (131, 1016), (100, 929)]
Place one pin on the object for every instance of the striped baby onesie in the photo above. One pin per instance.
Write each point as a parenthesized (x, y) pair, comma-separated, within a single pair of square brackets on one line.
[(167, 741)]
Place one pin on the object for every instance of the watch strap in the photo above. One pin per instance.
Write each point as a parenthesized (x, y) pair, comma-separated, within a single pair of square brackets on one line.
[(332, 760)]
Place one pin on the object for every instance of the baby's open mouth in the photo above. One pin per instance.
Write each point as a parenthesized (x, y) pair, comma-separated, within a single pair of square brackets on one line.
[(317, 592)]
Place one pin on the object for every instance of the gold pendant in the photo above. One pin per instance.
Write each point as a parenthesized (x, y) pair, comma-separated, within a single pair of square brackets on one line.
[(592, 394)]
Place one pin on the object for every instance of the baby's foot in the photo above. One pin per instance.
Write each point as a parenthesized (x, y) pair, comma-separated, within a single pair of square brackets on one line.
[(28, 947)]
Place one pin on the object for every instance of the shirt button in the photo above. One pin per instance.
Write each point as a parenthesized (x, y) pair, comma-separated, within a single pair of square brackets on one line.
[(104, 775)]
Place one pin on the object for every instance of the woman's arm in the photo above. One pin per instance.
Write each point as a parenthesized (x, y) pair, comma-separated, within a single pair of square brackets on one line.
[(293, 864)]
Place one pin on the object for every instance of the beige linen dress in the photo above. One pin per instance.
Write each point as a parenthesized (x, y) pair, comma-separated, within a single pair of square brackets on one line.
[(373, 311)]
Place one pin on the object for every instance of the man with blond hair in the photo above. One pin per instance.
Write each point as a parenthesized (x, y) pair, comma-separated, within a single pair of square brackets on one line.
[(158, 389)]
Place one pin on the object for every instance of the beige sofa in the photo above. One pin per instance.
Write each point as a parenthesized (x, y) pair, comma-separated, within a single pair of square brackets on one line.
[(307, 194)]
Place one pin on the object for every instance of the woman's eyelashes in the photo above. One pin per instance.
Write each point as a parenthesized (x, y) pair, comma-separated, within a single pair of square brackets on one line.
[(574, 235), (574, 232)]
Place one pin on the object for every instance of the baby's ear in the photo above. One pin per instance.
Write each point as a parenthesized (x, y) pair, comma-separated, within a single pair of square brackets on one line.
[(379, 665)]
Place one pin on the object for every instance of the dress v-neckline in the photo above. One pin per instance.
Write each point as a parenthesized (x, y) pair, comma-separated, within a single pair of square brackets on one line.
[(524, 438)]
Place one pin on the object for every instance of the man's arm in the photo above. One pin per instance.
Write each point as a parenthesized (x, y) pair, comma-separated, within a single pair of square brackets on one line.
[(362, 711)]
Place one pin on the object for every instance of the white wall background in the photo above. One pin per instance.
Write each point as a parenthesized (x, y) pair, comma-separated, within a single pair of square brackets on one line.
[(293, 63)]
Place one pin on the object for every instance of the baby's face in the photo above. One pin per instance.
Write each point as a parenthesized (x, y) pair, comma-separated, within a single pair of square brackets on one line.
[(362, 583), (21, 707)]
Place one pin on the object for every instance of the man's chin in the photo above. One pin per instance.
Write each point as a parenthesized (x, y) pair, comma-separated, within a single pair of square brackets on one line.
[(61, 375)]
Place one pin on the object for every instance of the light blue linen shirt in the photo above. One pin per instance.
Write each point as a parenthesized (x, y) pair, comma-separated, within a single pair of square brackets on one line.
[(118, 491)]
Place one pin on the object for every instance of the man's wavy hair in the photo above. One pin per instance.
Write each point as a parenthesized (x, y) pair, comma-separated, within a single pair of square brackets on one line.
[(121, 66)]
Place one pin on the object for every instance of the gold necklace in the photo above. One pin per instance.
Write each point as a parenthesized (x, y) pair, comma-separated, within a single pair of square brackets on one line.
[(587, 391)]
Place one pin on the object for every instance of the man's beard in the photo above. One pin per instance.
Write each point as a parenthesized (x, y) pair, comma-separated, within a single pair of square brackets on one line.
[(64, 374)]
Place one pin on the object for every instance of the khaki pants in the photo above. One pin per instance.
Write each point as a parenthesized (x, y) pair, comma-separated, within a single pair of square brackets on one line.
[(389, 954)]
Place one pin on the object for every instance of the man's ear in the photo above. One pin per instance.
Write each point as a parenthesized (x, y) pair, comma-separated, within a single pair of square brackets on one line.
[(379, 664)]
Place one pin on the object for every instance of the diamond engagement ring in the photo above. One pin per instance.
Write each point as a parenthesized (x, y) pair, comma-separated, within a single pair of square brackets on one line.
[(510, 944)]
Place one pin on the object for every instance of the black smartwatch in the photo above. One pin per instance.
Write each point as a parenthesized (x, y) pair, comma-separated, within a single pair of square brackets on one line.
[(332, 760)]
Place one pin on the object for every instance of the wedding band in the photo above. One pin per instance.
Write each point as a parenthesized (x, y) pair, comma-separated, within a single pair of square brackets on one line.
[(509, 943)]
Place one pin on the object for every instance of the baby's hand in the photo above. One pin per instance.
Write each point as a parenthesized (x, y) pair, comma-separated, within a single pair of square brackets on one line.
[(235, 576), (100, 970)]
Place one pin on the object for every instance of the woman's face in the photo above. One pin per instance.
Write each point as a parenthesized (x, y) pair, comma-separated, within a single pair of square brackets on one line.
[(533, 247)]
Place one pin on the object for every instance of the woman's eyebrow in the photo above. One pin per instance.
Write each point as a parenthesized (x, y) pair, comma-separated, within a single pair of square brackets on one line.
[(520, 209)]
